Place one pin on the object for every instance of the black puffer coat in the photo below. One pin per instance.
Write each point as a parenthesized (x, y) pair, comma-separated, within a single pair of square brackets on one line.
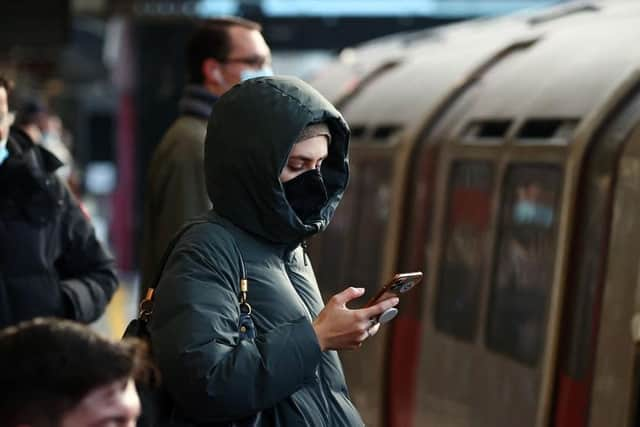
[(212, 375), (50, 261)]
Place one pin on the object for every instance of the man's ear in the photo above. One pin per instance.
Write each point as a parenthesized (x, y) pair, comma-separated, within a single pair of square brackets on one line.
[(211, 71)]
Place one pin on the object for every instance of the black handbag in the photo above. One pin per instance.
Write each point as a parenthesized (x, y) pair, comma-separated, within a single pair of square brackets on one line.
[(157, 406)]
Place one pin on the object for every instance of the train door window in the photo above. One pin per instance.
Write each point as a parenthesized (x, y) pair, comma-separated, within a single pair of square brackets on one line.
[(330, 250), (524, 263), (374, 198), (465, 257)]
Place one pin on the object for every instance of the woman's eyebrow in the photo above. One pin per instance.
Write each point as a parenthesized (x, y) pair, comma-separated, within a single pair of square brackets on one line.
[(306, 158)]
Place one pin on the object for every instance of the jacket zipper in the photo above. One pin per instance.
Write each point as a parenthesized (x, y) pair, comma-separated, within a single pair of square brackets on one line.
[(305, 245)]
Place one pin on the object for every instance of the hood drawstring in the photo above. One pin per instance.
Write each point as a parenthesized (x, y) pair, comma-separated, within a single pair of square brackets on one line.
[(305, 254)]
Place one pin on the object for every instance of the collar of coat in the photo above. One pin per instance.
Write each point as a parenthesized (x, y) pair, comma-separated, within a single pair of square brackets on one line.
[(27, 180), (196, 101)]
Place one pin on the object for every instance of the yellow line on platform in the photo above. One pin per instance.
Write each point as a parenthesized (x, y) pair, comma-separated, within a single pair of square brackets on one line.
[(117, 315)]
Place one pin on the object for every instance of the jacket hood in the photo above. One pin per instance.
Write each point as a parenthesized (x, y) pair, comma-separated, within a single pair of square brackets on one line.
[(251, 131)]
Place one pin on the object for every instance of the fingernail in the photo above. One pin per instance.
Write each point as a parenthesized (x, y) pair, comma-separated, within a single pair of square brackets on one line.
[(396, 300), (360, 290)]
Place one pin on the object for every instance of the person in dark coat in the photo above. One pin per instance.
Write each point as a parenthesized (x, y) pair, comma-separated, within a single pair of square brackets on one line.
[(276, 167), (219, 54), (51, 263)]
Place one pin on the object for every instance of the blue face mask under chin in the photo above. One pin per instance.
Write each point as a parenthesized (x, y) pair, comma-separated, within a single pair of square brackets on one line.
[(252, 74), (4, 153)]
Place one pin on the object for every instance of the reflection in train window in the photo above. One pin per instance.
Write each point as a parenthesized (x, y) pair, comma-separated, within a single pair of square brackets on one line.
[(465, 248), (524, 263)]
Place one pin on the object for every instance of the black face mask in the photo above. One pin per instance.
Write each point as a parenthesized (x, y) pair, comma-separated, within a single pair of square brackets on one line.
[(306, 194)]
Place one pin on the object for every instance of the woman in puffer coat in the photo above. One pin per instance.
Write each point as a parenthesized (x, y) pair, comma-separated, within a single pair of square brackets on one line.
[(276, 166)]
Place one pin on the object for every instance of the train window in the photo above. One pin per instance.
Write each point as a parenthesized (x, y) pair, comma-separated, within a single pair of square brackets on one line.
[(465, 255), (546, 131), (358, 131), (524, 262), (487, 131)]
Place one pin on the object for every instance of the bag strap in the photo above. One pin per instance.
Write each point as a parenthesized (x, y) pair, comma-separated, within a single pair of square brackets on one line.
[(146, 305)]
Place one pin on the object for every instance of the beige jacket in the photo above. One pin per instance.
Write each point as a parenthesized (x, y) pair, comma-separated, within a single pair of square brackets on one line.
[(175, 190)]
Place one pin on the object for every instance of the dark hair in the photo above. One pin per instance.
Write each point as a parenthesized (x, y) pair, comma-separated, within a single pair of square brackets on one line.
[(48, 366), (6, 83), (211, 40), (31, 111)]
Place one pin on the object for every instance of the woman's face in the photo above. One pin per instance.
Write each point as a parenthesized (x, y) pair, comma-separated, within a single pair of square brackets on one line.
[(304, 156)]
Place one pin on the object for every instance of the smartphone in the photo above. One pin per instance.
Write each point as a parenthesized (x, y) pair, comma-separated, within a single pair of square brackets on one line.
[(400, 284)]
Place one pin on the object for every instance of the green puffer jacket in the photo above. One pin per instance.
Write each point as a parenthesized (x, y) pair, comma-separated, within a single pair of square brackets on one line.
[(212, 375)]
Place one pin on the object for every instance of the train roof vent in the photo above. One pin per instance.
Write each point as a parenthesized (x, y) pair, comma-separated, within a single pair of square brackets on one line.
[(487, 131), (563, 11), (547, 131), (384, 133), (358, 131)]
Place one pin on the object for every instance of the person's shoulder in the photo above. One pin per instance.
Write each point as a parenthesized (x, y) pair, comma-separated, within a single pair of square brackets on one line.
[(183, 141), (20, 139), (205, 235), (188, 128)]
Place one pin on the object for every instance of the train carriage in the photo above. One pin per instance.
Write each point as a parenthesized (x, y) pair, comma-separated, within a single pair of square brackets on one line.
[(503, 159)]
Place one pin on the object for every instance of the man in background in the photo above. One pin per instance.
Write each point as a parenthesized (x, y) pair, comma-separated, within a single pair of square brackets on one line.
[(52, 264), (58, 373), (45, 128), (31, 117), (219, 54)]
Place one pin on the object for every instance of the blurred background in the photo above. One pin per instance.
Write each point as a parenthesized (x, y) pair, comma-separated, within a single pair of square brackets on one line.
[(109, 74)]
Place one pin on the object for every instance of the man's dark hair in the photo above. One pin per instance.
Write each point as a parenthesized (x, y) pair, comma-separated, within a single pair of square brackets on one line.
[(211, 40), (31, 111), (48, 366), (6, 83)]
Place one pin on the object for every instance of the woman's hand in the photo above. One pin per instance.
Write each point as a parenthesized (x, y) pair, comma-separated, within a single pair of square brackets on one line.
[(339, 327)]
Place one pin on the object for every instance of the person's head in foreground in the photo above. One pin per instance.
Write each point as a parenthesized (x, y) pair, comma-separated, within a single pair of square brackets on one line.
[(57, 373)]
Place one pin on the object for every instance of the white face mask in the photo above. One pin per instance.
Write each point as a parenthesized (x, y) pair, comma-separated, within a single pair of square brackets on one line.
[(247, 74)]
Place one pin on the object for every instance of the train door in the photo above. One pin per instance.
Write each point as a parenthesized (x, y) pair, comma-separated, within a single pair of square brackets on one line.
[(492, 270), (501, 236), (358, 247), (353, 252), (589, 258), (614, 397)]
